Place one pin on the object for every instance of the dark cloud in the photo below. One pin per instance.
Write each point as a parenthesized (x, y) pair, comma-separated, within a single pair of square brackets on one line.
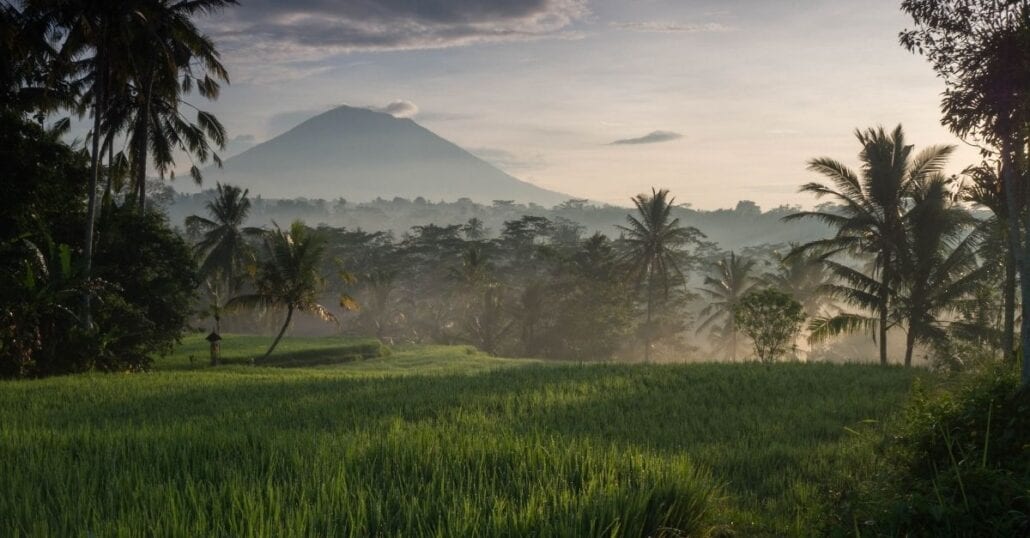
[(650, 138), (345, 25)]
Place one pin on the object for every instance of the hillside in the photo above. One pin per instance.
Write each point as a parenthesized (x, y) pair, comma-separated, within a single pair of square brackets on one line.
[(360, 154)]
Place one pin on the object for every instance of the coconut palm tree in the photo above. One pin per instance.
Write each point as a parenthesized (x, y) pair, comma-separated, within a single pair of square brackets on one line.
[(94, 31), (380, 311), (731, 279), (168, 58), (159, 84), (986, 189), (938, 265), (980, 50), (654, 245), (289, 278), (99, 46), (803, 276), (223, 248), (25, 83), (868, 216)]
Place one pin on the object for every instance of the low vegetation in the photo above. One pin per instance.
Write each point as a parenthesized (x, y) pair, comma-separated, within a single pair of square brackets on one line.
[(435, 440), (195, 353), (956, 463)]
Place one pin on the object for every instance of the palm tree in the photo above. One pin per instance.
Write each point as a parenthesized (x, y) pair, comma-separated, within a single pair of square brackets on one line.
[(95, 27), (169, 58), (938, 266), (654, 245), (986, 189), (289, 277), (224, 247), (25, 51), (868, 217), (100, 45), (731, 279), (803, 276), (380, 309)]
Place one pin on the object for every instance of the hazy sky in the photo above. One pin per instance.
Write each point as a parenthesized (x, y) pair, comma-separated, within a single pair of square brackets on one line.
[(716, 100)]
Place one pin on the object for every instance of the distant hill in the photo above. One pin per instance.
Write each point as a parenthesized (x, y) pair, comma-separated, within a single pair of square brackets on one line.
[(360, 154)]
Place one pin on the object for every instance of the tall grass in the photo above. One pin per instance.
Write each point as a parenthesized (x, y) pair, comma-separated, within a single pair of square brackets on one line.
[(478, 447)]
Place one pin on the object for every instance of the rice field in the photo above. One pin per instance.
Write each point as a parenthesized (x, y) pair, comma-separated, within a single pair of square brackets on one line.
[(433, 441)]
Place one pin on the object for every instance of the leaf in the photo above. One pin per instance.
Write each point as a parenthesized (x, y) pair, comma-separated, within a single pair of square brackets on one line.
[(65, 256), (348, 303), (826, 327)]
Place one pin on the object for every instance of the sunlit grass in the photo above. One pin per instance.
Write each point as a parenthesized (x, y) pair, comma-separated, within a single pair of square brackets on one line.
[(431, 441)]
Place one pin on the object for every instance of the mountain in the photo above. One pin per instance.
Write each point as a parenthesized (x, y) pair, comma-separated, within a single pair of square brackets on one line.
[(360, 154)]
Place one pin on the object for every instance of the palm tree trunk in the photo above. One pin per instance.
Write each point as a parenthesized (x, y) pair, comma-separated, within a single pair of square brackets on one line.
[(1008, 336), (286, 324), (99, 101), (910, 344), (733, 338), (884, 308), (1018, 162), (1010, 181), (141, 170), (105, 200), (650, 310)]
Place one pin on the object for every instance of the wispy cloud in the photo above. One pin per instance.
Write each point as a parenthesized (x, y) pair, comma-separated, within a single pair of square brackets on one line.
[(334, 26), (398, 109), (672, 27), (653, 137)]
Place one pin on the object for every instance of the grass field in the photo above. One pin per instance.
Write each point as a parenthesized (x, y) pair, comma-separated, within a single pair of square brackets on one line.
[(438, 441)]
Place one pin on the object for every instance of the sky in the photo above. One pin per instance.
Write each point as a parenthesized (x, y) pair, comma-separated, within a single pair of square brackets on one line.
[(717, 101)]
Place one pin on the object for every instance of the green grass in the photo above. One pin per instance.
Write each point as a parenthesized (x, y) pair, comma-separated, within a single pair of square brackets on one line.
[(194, 353), (432, 441)]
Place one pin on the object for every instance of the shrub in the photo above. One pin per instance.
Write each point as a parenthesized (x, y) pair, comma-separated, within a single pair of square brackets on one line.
[(772, 319), (154, 271), (957, 464)]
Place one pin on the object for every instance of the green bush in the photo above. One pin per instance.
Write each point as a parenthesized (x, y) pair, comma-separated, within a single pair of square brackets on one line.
[(154, 271), (772, 320), (957, 464)]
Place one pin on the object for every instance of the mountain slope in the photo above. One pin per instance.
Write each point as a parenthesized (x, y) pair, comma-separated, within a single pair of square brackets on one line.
[(359, 154)]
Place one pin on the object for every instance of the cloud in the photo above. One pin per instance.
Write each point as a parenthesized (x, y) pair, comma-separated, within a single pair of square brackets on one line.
[(300, 27), (672, 27), (653, 137), (398, 109)]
